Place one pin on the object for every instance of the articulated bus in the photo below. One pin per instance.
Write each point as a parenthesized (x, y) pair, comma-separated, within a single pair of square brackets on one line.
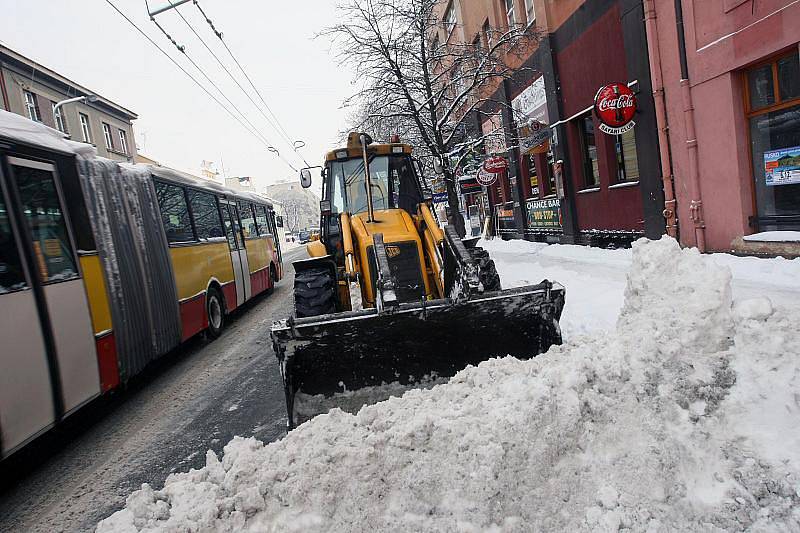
[(105, 267)]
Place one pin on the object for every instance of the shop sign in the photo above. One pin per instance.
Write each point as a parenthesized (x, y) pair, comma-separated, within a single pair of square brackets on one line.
[(505, 220), (615, 107), (440, 197), (782, 167), (494, 138), (543, 214), (534, 135), (495, 164), (486, 178), (531, 104), (469, 184)]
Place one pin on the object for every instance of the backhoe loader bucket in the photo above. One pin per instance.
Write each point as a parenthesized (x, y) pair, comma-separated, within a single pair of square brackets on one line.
[(346, 351)]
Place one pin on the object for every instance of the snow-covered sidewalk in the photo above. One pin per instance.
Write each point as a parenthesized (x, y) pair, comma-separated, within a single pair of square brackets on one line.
[(684, 416), (595, 278)]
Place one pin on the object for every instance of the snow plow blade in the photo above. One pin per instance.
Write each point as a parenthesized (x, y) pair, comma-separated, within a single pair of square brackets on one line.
[(347, 351)]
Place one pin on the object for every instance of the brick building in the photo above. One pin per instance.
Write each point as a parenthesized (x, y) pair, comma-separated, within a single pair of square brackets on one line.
[(583, 185), (731, 78), (715, 152), (32, 90)]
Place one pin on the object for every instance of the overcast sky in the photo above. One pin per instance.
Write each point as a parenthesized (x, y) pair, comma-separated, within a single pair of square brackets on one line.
[(178, 124)]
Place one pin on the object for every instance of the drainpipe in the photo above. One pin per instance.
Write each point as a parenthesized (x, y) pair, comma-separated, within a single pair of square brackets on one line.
[(696, 205), (662, 123)]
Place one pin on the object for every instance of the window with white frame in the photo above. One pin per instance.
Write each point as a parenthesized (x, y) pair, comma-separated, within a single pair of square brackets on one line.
[(123, 142), (510, 14), (450, 17), (32, 106), (58, 118), (86, 131), (530, 12), (108, 136)]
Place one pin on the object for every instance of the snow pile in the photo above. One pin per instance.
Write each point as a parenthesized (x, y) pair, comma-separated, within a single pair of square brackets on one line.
[(774, 236), (595, 278), (686, 418)]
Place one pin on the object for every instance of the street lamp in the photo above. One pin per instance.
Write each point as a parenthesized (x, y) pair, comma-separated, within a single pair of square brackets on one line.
[(87, 98)]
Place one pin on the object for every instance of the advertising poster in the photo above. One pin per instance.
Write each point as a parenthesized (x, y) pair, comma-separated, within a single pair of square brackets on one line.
[(543, 214), (505, 220), (782, 167)]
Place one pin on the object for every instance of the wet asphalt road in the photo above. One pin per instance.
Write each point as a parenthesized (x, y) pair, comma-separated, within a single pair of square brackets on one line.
[(196, 399)]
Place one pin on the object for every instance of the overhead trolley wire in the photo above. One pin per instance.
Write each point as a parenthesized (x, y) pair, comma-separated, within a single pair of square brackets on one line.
[(191, 77), (182, 49), (219, 35), (274, 124)]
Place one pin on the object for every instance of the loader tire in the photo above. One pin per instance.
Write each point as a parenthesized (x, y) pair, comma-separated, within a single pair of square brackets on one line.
[(487, 272), (314, 292)]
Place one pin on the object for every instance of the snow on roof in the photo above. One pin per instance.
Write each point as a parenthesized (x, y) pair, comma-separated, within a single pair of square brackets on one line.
[(684, 418), (18, 128)]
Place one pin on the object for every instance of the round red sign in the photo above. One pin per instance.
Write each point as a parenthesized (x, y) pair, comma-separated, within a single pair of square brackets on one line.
[(615, 105), (495, 164)]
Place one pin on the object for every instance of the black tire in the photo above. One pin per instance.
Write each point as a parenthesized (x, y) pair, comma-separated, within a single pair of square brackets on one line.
[(215, 311), (487, 272), (273, 280), (314, 292)]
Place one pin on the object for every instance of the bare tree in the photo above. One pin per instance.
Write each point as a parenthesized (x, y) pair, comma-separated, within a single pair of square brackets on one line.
[(292, 214), (413, 84)]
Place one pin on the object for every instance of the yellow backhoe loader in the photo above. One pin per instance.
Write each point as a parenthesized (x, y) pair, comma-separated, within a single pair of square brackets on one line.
[(423, 302)]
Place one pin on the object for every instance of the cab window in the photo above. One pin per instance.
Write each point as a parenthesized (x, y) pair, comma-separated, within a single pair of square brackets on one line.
[(46, 223), (12, 277)]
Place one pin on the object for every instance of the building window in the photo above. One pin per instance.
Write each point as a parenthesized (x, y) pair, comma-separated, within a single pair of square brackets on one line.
[(510, 15), (58, 118), (530, 12), (627, 160), (487, 35), (109, 138), (174, 212), (450, 20), (86, 131), (591, 170), (773, 109), (123, 142), (32, 106)]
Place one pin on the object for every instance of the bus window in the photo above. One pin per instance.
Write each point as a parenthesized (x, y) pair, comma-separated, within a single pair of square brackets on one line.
[(48, 229), (261, 220), (231, 228), (11, 276), (248, 221), (174, 212), (206, 215)]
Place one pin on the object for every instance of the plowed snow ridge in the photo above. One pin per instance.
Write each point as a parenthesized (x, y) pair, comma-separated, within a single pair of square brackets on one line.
[(686, 417)]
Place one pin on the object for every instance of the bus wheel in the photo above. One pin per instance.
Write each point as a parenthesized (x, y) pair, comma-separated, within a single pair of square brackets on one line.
[(216, 313), (272, 280)]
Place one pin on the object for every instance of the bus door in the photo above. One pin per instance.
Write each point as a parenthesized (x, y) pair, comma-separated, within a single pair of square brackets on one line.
[(276, 238), (241, 269), (49, 362)]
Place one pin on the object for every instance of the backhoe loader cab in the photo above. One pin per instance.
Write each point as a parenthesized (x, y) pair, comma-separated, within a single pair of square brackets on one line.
[(388, 295)]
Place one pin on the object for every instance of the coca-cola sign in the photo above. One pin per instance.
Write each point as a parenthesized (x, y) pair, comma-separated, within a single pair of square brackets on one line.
[(615, 107), (495, 164)]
